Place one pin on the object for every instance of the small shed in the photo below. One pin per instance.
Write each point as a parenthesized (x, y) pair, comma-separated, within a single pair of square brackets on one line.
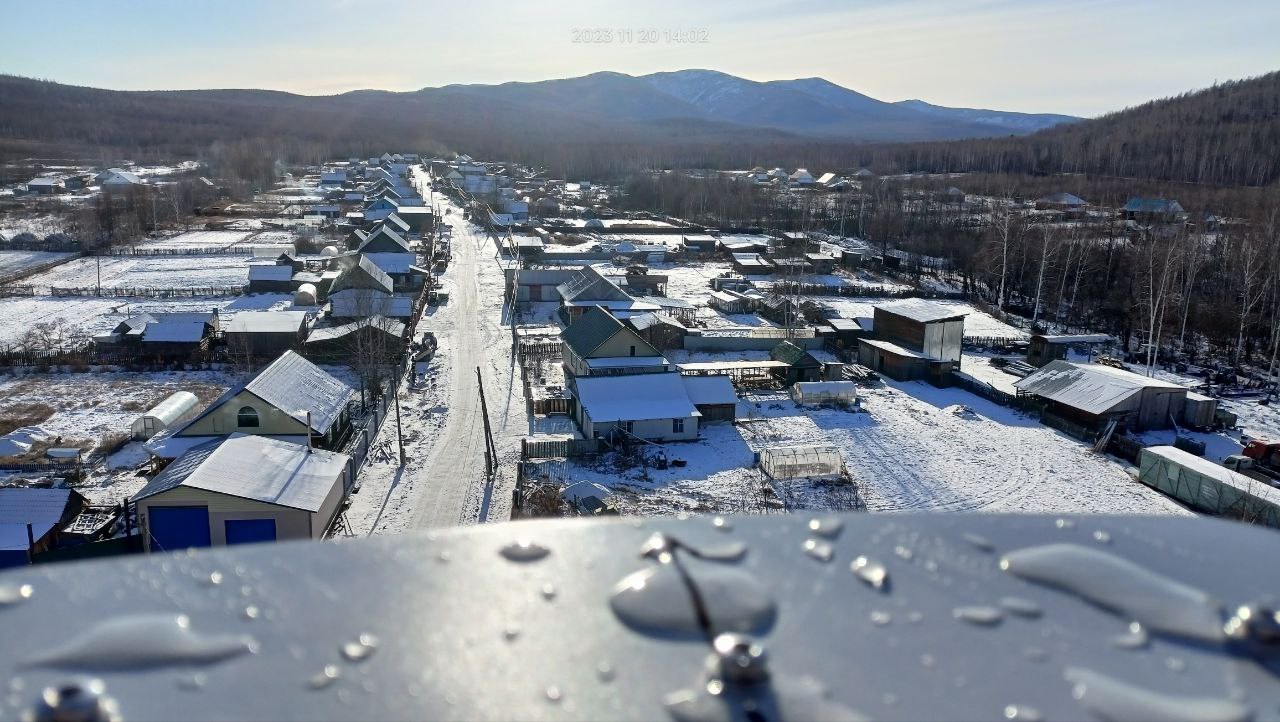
[(45, 511), (178, 407), (800, 364), (1044, 348), (814, 393), (266, 334), (713, 396)]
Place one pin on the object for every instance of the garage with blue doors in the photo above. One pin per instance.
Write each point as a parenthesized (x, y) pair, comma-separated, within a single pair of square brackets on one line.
[(243, 489)]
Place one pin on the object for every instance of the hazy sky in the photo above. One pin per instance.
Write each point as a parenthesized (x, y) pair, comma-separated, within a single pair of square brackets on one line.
[(1082, 57)]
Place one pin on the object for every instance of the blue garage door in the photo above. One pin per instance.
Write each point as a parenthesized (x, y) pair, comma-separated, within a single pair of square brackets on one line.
[(174, 528), (248, 531)]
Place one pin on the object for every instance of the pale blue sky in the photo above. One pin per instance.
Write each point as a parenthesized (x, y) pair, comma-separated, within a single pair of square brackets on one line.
[(1082, 57)]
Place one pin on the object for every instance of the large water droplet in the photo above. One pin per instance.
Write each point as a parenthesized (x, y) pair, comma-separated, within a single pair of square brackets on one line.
[(880, 618), (722, 524), (553, 693), (1117, 584), (979, 615), (658, 601), (829, 527), (14, 593), (144, 641), (360, 649), (1118, 701), (524, 550), (870, 571), (819, 550), (731, 552), (1021, 607), (980, 542), (903, 552)]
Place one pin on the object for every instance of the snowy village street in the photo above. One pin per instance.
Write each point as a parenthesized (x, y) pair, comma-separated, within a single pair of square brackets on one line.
[(443, 483)]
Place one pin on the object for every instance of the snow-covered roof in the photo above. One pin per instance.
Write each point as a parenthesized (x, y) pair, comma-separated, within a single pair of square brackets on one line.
[(41, 508), (393, 262), (170, 331), (363, 274), (920, 310), (591, 285), (330, 333), (1091, 388), (1152, 205), (893, 348), (270, 272), (637, 397), (704, 390), (1064, 199), (267, 321), (255, 467), (295, 386)]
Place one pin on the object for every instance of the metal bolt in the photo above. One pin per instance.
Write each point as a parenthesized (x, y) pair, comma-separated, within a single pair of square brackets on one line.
[(76, 701), (1254, 622), (739, 659)]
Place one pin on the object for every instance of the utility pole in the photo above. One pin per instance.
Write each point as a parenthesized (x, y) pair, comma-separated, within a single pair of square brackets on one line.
[(490, 455), (399, 429)]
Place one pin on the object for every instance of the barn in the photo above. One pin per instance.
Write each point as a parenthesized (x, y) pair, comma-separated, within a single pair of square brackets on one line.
[(240, 490), (1091, 395)]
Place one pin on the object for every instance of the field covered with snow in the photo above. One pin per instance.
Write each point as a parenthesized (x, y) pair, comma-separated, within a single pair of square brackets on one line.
[(198, 239), (909, 451), (14, 263), (193, 271)]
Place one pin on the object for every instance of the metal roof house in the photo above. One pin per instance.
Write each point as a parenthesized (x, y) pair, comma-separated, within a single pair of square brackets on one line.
[(239, 490), (1090, 395), (651, 406), (116, 179), (337, 343), (265, 334), (45, 510), (590, 289), (913, 340), (598, 344), (363, 290), (1153, 210), (279, 402)]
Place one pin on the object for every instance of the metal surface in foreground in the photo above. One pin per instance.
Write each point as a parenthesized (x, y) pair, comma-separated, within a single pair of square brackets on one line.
[(520, 621)]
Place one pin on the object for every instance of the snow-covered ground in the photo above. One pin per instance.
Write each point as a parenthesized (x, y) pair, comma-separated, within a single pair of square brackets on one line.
[(14, 263), (198, 239), (99, 315), (910, 451), (148, 272)]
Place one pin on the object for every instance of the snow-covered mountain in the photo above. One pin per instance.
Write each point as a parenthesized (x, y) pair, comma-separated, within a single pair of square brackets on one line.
[(1014, 122)]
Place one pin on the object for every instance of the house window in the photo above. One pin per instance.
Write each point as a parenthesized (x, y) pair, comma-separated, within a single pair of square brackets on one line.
[(633, 350), (247, 416), (677, 426), (628, 426)]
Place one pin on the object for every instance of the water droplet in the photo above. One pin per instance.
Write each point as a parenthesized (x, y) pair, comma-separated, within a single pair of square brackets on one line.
[(1102, 537), (980, 542), (1175, 664), (251, 612), (880, 617), (829, 527), (1035, 654), (605, 672), (1112, 699), (192, 682), (444, 556), (915, 617), (1117, 584), (819, 550), (75, 700), (791, 699), (721, 524), (548, 591), (1021, 607), (1022, 713), (325, 677), (927, 660), (733, 552), (142, 641), (657, 600), (871, 572), (511, 632), (361, 649), (524, 550), (1135, 638), (903, 552), (1064, 524), (214, 579), (553, 693), (14, 593), (980, 615)]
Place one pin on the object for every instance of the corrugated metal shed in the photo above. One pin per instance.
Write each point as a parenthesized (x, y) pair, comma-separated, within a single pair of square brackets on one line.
[(267, 321), (922, 311), (1091, 388), (174, 332)]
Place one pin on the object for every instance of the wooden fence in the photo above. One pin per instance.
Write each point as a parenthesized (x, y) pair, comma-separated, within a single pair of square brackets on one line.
[(542, 407), (147, 292), (557, 448), (822, 289)]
